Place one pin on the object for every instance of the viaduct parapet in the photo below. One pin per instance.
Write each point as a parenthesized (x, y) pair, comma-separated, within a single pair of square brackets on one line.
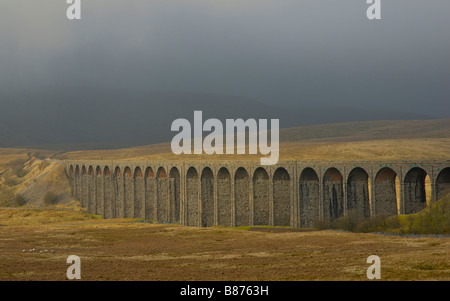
[(233, 193)]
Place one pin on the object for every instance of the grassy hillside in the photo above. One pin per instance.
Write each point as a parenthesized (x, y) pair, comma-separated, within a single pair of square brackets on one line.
[(26, 179), (380, 140)]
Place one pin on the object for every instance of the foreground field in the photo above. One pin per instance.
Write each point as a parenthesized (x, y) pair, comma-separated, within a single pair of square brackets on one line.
[(131, 249)]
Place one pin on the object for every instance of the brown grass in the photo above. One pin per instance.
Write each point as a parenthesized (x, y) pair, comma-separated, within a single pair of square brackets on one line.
[(126, 250), (386, 150)]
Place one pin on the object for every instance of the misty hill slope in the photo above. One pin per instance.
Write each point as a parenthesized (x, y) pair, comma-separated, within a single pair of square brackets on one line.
[(374, 130), (380, 140), (93, 118)]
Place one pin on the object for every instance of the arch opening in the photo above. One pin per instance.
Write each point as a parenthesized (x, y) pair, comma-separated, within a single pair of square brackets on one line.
[(150, 194), (128, 185), (175, 194), (333, 196), (387, 192), (416, 185), (242, 197), (192, 194), (139, 194), (309, 198), (207, 186), (224, 197), (281, 198), (443, 183), (109, 194), (358, 197), (261, 199)]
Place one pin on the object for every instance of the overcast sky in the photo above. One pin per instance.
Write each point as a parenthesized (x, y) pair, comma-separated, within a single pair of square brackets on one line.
[(314, 52)]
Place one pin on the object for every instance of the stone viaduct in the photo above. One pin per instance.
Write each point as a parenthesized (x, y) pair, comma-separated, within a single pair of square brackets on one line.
[(234, 193)]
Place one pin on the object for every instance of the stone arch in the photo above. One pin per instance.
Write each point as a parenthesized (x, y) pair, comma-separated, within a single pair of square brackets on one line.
[(99, 191), (224, 197), (415, 188), (118, 193), (241, 196), (108, 194), (443, 183), (71, 171), (358, 196), (162, 196), (387, 192), (333, 196), (261, 197), (161, 173), (98, 171), (128, 184), (150, 194), (192, 194), (77, 184), (84, 190), (281, 197), (175, 194), (207, 186), (139, 193), (91, 191), (117, 172), (107, 171), (309, 197)]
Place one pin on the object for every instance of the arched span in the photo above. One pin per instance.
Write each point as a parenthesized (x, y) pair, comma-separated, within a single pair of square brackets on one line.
[(443, 183), (84, 190), (91, 191), (118, 193), (281, 198), (175, 194), (139, 193), (76, 189), (109, 194), (309, 198), (261, 198), (415, 187), (98, 171), (192, 193), (161, 173), (241, 196), (387, 192), (333, 197), (150, 194), (117, 172), (106, 171), (162, 192), (358, 197), (207, 185), (128, 183), (138, 172), (127, 172), (99, 191), (224, 197)]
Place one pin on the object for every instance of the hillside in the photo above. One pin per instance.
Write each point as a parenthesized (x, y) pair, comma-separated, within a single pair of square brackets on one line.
[(378, 140)]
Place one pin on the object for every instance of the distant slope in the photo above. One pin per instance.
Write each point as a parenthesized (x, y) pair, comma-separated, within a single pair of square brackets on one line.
[(374, 130), (380, 140)]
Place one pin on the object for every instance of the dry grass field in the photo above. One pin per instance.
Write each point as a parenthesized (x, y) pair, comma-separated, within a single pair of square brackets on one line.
[(128, 249)]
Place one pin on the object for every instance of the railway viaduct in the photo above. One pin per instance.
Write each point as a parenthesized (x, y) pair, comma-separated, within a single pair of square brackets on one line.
[(234, 193)]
